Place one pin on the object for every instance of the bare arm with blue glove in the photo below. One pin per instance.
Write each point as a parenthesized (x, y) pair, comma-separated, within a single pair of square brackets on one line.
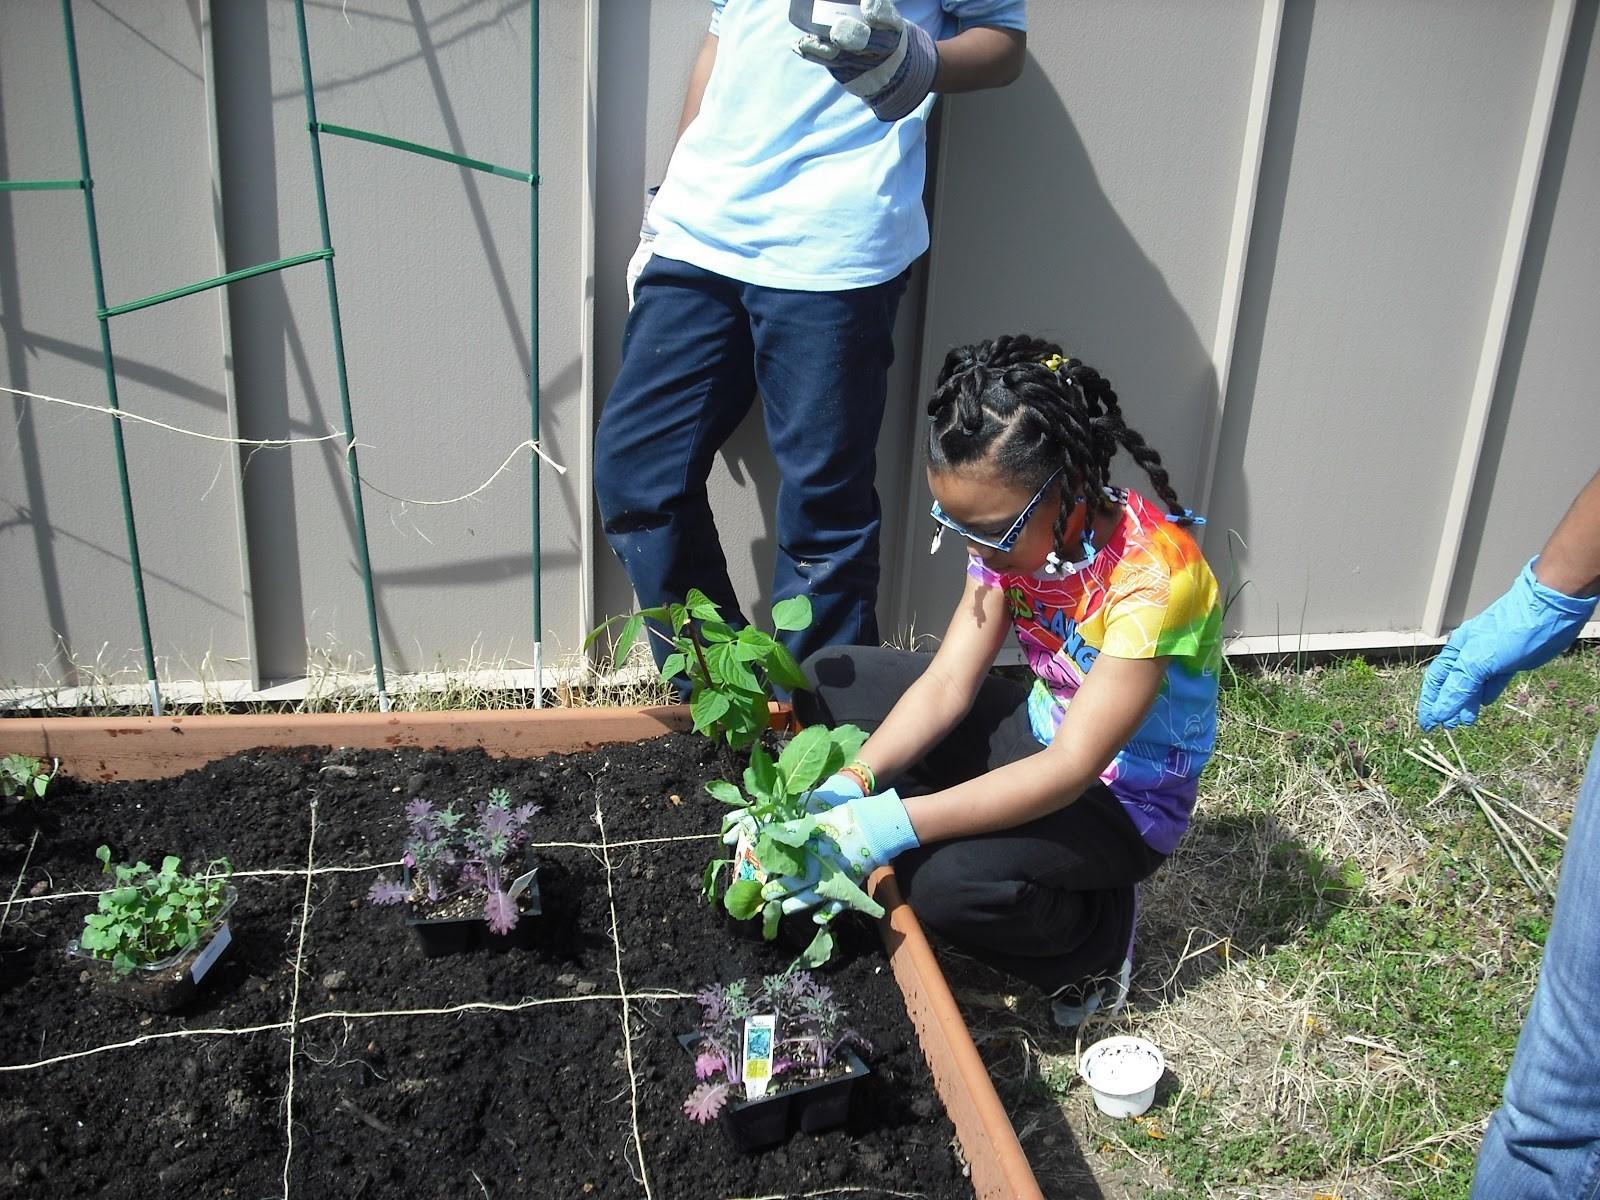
[(1538, 618), (893, 64)]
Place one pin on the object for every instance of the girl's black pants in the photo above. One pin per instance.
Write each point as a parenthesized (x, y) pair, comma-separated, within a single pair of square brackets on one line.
[(1051, 901)]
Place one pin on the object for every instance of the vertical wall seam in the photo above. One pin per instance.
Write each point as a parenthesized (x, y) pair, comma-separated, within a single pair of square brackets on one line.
[(1244, 211), (589, 219), (1512, 252), (225, 327)]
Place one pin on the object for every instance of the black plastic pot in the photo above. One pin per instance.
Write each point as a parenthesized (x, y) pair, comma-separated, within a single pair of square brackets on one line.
[(815, 1107), (439, 936), (172, 983)]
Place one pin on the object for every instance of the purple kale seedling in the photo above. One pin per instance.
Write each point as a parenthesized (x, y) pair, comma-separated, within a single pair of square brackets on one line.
[(811, 1032), (450, 857)]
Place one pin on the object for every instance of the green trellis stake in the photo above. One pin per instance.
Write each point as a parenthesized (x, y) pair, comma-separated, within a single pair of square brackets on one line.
[(104, 313)]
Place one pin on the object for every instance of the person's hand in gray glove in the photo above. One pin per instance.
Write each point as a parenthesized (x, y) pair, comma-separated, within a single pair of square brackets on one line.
[(885, 59), (647, 238)]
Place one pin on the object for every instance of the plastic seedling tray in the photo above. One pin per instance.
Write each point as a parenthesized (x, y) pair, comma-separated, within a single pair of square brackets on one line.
[(813, 1107), (173, 982), (439, 936)]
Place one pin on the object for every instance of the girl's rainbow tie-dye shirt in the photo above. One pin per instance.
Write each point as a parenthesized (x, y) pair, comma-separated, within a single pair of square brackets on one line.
[(1148, 593)]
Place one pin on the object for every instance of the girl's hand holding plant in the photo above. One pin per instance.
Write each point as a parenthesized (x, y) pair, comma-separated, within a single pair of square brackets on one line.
[(833, 791), (858, 836)]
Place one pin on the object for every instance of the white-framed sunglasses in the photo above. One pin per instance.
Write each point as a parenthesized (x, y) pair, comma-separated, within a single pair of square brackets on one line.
[(1004, 542)]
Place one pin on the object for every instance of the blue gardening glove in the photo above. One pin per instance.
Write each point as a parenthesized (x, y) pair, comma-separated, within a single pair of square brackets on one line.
[(647, 239), (864, 833), (834, 790), (885, 59), (1525, 628)]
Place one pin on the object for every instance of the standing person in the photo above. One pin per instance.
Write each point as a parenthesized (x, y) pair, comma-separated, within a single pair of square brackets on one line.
[(1543, 1142), (1022, 818), (782, 238)]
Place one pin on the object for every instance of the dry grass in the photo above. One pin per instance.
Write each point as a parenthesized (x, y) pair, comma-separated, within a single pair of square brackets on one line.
[(1313, 961), (337, 681)]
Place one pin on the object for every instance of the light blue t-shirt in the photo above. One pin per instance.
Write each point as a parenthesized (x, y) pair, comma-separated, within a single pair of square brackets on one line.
[(785, 179)]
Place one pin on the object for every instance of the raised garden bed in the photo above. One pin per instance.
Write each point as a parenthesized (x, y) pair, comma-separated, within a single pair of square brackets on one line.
[(552, 1071)]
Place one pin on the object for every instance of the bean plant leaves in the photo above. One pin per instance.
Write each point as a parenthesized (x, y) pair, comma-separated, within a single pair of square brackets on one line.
[(749, 719), (785, 672), (792, 614), (849, 740), (674, 665), (726, 667), (752, 645), (700, 606), (707, 708), (716, 630)]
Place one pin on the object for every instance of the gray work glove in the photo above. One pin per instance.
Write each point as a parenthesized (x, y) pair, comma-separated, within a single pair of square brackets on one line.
[(647, 239), (885, 59)]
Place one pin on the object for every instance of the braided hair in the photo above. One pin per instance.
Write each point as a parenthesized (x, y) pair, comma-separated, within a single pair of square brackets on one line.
[(1022, 404)]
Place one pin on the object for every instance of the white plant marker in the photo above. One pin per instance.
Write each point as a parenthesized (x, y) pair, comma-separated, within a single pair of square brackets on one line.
[(759, 1034), (219, 943)]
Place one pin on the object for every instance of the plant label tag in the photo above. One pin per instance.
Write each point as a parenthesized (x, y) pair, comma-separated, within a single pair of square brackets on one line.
[(211, 953), (758, 1037), (745, 863), (521, 884)]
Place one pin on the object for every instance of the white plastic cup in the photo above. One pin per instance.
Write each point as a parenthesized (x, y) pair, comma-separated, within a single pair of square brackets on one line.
[(1122, 1072)]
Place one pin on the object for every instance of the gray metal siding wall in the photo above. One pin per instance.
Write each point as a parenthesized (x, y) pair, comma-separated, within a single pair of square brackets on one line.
[(1542, 439), (63, 557), (1303, 337), (1393, 144), (433, 270)]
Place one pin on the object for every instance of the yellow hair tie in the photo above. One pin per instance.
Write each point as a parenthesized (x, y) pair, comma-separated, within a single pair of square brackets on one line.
[(1054, 362)]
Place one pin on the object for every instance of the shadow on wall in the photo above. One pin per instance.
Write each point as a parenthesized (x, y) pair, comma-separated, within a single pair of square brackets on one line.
[(1028, 240), (637, 120), (14, 342)]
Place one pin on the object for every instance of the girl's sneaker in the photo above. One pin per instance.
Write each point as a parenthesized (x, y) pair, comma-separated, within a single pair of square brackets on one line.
[(1104, 995), (1075, 1004)]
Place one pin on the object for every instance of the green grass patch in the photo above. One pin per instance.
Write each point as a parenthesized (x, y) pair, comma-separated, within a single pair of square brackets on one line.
[(1412, 939)]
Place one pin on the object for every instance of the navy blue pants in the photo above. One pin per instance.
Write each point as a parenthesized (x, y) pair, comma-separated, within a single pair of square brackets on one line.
[(696, 350)]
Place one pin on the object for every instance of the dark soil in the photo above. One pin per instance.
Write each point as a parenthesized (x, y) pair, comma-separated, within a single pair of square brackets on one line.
[(481, 1101)]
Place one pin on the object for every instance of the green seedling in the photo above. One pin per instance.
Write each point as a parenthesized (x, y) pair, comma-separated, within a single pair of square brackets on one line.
[(786, 840), (21, 775), (151, 915), (731, 671)]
